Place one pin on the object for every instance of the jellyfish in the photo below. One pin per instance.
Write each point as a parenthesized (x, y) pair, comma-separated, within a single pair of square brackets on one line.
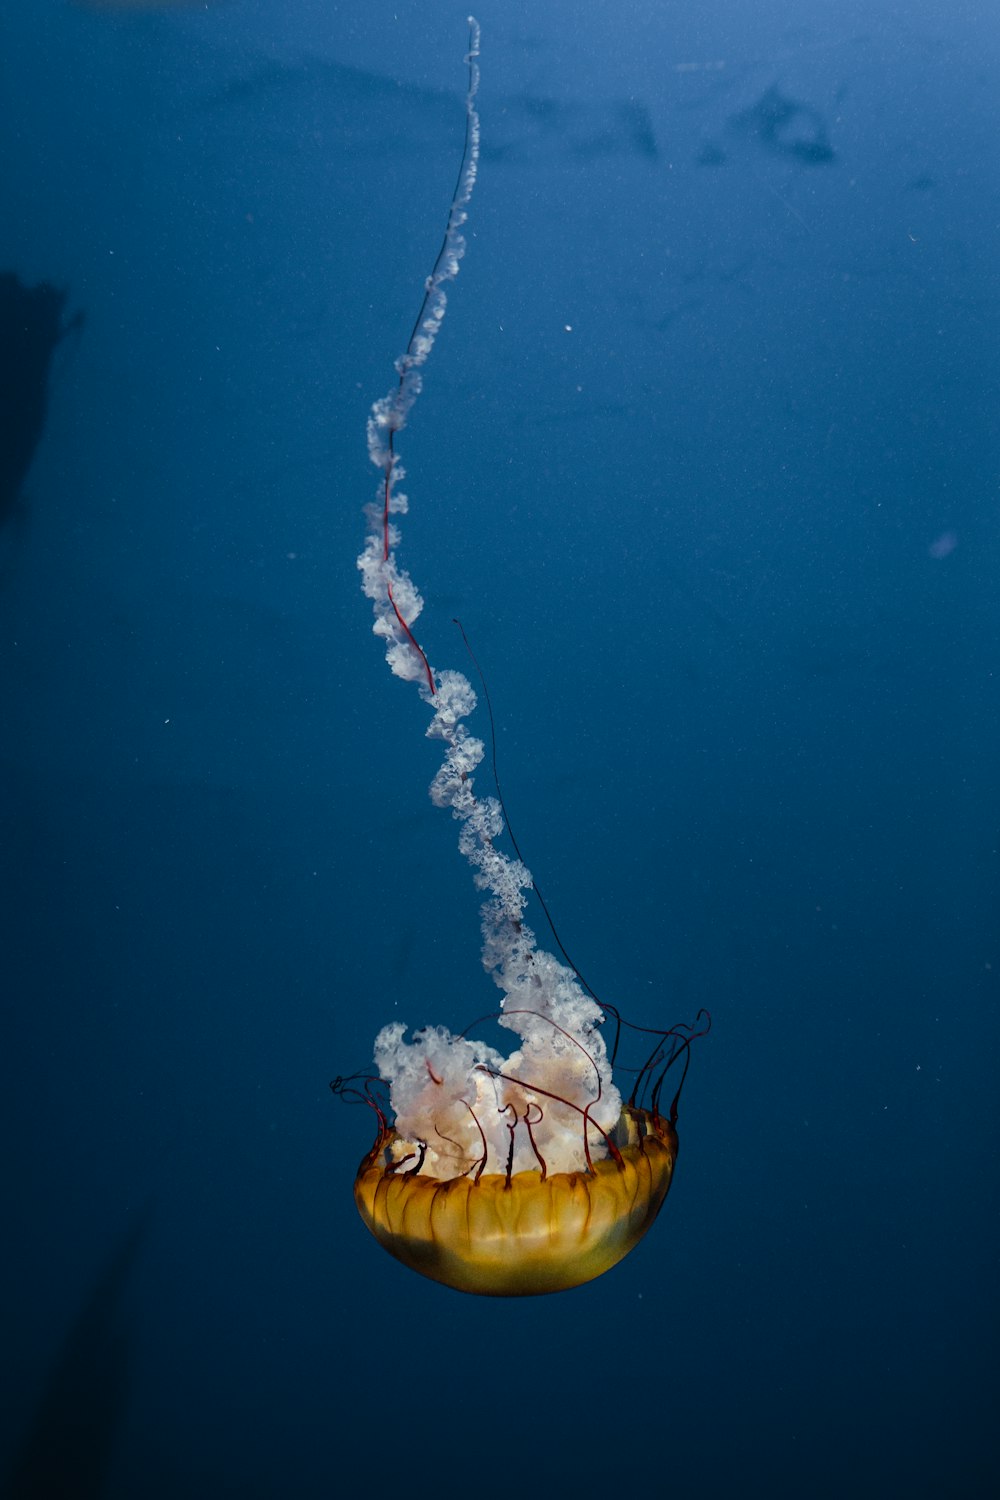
[(498, 1175)]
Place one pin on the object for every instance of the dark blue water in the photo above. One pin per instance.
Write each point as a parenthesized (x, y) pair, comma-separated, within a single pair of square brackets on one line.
[(706, 462)]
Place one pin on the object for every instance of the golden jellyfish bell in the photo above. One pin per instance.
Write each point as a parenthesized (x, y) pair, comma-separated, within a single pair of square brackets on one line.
[(525, 1233)]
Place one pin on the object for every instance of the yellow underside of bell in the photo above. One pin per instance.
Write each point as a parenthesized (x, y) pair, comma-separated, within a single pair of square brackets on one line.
[(526, 1236)]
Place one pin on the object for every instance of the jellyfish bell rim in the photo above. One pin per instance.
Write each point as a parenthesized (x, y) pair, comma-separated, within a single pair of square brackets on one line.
[(527, 1234)]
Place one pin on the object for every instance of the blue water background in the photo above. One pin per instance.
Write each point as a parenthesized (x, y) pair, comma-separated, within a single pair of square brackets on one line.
[(707, 464)]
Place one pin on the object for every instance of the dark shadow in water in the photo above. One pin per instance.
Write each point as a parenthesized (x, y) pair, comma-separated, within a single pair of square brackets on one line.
[(67, 1447), (379, 115), (31, 329), (786, 128)]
